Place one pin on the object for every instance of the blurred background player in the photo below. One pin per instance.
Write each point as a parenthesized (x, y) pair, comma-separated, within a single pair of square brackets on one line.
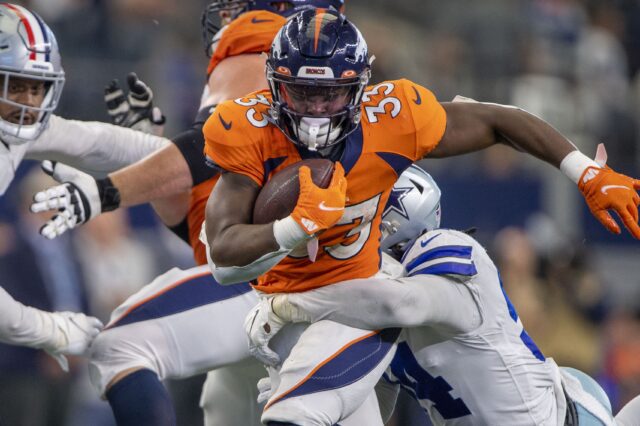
[(125, 359), (449, 293), (318, 70)]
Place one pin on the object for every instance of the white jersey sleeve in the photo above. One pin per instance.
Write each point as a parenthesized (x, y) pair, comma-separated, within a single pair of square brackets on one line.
[(93, 147), (23, 325), (428, 296)]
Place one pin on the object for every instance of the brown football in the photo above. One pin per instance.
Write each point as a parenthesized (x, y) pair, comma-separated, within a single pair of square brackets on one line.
[(279, 196)]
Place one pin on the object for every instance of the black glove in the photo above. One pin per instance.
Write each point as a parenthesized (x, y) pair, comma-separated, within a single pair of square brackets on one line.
[(136, 110)]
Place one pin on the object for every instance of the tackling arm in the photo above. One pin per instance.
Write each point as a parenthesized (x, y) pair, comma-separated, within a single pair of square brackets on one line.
[(372, 304)]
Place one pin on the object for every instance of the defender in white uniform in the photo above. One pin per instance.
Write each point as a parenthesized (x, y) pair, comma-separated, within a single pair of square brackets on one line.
[(464, 354), (31, 81)]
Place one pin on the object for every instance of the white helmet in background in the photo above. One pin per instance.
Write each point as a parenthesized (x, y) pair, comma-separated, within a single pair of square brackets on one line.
[(28, 51), (412, 209)]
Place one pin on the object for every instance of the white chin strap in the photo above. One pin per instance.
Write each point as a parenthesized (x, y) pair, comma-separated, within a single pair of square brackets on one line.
[(313, 132)]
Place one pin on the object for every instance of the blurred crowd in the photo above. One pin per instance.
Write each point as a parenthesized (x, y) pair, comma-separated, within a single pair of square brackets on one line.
[(574, 63)]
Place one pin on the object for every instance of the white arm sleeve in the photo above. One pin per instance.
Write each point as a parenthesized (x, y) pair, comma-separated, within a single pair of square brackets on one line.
[(375, 303), (26, 326), (93, 147)]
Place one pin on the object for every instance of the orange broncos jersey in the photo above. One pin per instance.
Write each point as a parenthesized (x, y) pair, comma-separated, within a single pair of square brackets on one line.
[(251, 32), (401, 123), (195, 217)]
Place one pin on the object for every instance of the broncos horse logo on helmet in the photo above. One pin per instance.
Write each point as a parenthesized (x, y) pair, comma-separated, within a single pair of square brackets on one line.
[(29, 58), (221, 12), (317, 71)]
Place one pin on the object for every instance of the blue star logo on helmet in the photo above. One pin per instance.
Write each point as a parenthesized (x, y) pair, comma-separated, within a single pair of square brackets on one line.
[(395, 201)]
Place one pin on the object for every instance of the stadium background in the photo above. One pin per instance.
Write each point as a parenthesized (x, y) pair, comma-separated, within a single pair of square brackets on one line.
[(574, 63)]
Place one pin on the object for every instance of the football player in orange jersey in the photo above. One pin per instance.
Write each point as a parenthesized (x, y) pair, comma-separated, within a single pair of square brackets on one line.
[(319, 105), (183, 323)]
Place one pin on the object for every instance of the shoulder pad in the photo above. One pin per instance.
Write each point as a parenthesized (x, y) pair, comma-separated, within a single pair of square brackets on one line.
[(442, 252)]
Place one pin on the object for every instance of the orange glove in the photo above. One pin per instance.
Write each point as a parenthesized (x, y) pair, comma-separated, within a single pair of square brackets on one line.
[(605, 190), (319, 209)]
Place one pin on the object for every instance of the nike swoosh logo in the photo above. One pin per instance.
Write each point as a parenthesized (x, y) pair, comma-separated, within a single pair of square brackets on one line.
[(323, 206), (258, 21), (418, 99), (607, 187), (423, 244), (226, 125)]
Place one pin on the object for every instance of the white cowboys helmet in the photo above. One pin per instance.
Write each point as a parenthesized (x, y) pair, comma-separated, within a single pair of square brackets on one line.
[(412, 209), (28, 50)]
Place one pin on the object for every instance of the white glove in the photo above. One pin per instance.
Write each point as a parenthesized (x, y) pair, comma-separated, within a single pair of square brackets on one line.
[(136, 110), (77, 199), (261, 325), (264, 389), (72, 335)]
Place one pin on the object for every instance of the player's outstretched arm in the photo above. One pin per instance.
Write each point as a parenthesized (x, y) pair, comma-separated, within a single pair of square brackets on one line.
[(472, 126), (58, 333), (372, 304), (369, 304)]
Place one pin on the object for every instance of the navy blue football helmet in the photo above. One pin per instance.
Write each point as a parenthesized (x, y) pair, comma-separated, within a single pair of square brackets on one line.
[(212, 21), (317, 70)]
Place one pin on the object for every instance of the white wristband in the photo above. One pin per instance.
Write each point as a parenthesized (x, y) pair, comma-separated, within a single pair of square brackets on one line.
[(288, 233), (574, 164)]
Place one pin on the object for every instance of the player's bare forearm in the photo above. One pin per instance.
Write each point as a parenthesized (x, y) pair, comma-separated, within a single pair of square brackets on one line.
[(172, 210), (162, 174), (472, 126), (232, 239)]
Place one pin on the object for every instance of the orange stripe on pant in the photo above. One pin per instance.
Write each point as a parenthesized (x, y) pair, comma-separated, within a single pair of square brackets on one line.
[(154, 296), (323, 363)]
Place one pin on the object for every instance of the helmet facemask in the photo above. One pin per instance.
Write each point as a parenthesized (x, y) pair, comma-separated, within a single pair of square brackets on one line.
[(218, 14), (221, 12)]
